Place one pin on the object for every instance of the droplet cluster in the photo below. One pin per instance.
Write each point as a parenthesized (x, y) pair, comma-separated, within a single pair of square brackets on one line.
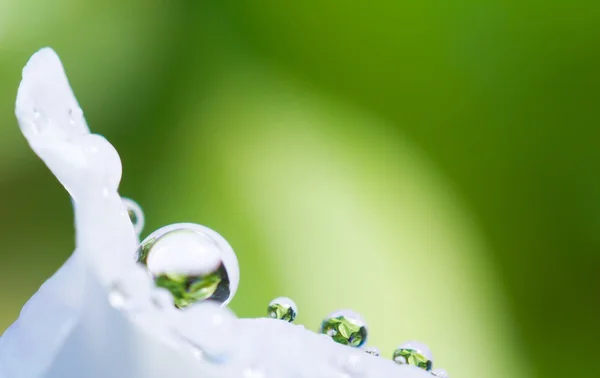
[(346, 327), (187, 261)]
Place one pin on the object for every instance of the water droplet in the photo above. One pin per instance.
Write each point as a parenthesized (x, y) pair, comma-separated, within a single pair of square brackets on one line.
[(253, 373), (440, 373), (188, 262), (35, 122), (283, 308), (197, 353), (414, 353), (136, 215), (345, 327), (75, 114), (373, 351), (117, 297), (71, 119)]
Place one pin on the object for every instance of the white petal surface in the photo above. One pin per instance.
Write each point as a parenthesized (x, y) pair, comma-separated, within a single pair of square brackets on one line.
[(97, 317)]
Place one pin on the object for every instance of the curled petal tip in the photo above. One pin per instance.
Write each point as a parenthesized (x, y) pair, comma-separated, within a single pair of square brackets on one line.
[(45, 102)]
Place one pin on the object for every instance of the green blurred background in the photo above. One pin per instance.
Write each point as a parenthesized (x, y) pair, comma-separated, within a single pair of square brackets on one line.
[(431, 165)]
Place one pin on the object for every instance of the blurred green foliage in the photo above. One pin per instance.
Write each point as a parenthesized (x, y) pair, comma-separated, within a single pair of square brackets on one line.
[(432, 165)]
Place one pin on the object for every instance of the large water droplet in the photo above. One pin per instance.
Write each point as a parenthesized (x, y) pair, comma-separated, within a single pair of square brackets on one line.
[(283, 308), (345, 327), (414, 353), (136, 215), (186, 260)]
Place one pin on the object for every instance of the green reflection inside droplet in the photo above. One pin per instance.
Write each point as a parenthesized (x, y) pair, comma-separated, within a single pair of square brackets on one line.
[(344, 331), (283, 312), (189, 289), (413, 357)]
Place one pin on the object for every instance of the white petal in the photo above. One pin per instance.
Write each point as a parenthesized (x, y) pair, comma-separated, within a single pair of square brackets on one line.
[(98, 316)]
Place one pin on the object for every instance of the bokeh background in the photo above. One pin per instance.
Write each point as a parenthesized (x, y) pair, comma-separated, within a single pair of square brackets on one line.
[(431, 165)]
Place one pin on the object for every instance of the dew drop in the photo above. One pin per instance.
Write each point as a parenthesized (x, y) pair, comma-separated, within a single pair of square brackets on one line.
[(35, 123), (136, 215), (75, 114), (71, 119), (187, 261), (283, 308), (414, 353), (345, 327), (253, 373), (373, 351), (440, 373), (117, 297), (197, 353)]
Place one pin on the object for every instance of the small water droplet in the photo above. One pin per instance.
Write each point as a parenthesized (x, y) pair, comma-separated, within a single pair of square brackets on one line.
[(440, 373), (136, 215), (71, 119), (74, 115), (414, 353), (345, 327), (283, 308), (197, 353), (253, 373), (187, 262), (117, 297), (373, 351), (35, 122)]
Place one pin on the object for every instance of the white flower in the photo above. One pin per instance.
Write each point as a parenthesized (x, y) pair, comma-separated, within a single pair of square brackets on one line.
[(100, 315)]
